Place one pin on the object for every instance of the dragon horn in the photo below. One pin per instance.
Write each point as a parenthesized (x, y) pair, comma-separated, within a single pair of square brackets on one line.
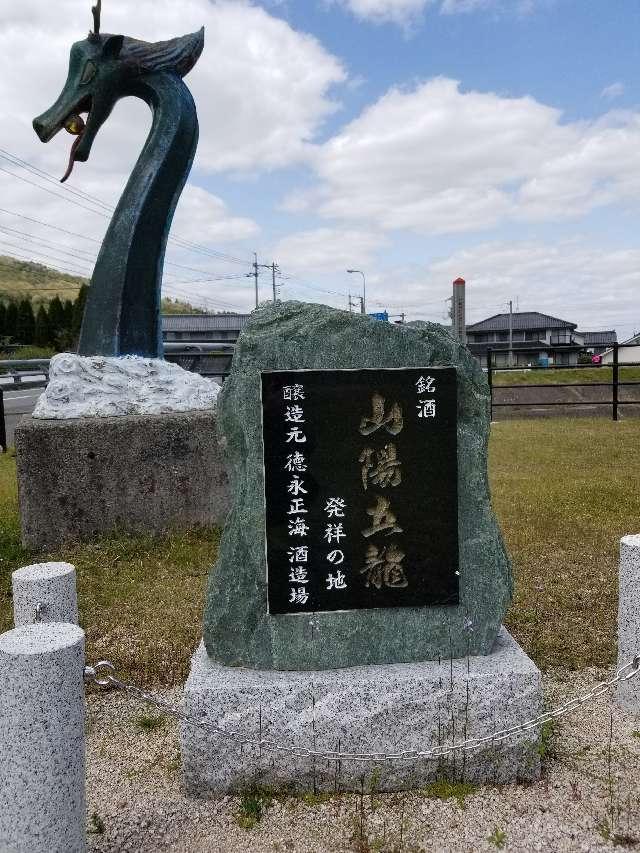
[(95, 11)]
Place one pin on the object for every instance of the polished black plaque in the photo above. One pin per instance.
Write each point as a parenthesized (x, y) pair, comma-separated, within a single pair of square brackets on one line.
[(360, 488)]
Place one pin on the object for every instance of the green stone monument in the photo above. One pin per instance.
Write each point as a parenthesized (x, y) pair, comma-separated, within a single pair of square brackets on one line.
[(240, 630), (352, 631)]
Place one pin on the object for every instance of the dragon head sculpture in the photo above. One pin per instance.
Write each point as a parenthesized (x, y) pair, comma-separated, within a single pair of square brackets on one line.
[(102, 69)]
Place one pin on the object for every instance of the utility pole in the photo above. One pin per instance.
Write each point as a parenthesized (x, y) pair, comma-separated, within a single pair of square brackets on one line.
[(255, 274), (363, 298), (511, 330), (274, 269), (353, 303)]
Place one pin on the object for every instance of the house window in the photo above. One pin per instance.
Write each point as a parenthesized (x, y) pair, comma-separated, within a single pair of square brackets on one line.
[(561, 338)]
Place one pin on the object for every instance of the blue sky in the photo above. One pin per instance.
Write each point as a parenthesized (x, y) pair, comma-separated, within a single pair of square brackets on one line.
[(417, 140)]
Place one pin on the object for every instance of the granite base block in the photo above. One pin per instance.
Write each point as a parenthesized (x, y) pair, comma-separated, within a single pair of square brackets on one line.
[(383, 709), (87, 477)]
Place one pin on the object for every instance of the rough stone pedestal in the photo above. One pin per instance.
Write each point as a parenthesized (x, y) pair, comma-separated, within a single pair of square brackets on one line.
[(384, 708), (84, 477), (628, 692)]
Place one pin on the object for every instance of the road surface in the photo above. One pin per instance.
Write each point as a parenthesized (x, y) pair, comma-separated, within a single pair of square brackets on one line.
[(17, 404)]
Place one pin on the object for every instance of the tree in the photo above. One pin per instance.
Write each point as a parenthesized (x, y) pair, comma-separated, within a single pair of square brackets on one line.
[(78, 311), (26, 323), (56, 320), (67, 306), (42, 335), (3, 319), (11, 321)]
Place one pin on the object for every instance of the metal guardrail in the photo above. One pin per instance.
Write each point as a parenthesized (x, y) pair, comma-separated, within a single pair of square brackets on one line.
[(615, 402)]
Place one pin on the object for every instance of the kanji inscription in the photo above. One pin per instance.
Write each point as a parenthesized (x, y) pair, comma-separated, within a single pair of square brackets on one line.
[(360, 488)]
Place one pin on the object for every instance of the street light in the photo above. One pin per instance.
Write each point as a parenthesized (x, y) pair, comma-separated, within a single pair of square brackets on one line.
[(364, 290)]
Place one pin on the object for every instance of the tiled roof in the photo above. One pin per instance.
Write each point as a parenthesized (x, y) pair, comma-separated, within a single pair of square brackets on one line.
[(602, 338), (522, 321), (527, 346), (202, 322)]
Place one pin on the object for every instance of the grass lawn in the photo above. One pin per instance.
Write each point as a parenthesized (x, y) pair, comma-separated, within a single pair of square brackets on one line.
[(564, 491), (585, 375), (140, 597)]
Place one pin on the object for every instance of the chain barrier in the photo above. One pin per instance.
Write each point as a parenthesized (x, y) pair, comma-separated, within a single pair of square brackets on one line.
[(100, 675)]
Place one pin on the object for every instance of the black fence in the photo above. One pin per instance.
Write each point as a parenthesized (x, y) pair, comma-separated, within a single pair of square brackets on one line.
[(613, 400)]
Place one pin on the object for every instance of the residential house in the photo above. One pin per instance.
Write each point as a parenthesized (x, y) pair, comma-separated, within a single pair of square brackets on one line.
[(628, 352), (537, 339), (595, 343)]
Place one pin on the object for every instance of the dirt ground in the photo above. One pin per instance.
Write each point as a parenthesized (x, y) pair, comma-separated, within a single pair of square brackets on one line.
[(587, 799)]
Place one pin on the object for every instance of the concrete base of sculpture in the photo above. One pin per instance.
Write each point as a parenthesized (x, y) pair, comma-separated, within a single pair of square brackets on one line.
[(86, 477), (369, 709)]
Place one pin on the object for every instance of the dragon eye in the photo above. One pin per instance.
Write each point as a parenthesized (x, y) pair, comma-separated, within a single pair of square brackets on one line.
[(89, 72)]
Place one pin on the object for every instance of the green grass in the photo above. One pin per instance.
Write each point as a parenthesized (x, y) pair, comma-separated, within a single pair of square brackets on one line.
[(23, 353), (140, 597), (584, 375), (444, 790), (150, 722), (565, 491)]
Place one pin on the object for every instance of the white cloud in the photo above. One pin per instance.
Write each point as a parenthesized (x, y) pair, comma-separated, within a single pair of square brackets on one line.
[(323, 250), (261, 88), (594, 287), (404, 13), (262, 91), (435, 159), (574, 279), (615, 90), (401, 12), (204, 218)]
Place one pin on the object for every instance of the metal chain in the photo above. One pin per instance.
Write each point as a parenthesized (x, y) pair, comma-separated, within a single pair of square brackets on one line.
[(100, 676)]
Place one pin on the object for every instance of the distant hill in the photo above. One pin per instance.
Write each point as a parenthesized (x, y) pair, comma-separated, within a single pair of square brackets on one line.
[(177, 306), (20, 279)]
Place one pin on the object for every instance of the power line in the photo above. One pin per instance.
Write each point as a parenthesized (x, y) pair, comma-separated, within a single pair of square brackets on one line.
[(36, 252), (74, 270), (23, 235), (302, 283), (49, 225), (60, 247), (51, 192), (181, 241), (47, 176)]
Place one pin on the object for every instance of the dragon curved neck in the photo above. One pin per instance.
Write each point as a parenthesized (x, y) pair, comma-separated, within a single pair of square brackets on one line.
[(122, 315)]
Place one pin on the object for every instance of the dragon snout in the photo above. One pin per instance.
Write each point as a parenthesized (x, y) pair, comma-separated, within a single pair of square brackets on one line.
[(44, 128)]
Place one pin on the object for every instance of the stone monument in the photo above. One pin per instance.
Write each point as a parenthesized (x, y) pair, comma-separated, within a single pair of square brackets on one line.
[(357, 602), (148, 468)]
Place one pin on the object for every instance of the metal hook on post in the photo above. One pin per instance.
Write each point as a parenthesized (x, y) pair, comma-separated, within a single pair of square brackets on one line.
[(91, 673)]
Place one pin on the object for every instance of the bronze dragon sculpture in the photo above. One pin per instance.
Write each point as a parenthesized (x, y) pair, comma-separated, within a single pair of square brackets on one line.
[(122, 314)]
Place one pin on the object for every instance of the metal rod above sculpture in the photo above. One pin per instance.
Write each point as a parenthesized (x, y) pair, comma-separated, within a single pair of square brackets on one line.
[(122, 315)]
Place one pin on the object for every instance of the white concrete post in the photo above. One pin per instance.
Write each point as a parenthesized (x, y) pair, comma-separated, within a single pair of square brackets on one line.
[(629, 618), (51, 585), (42, 747)]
